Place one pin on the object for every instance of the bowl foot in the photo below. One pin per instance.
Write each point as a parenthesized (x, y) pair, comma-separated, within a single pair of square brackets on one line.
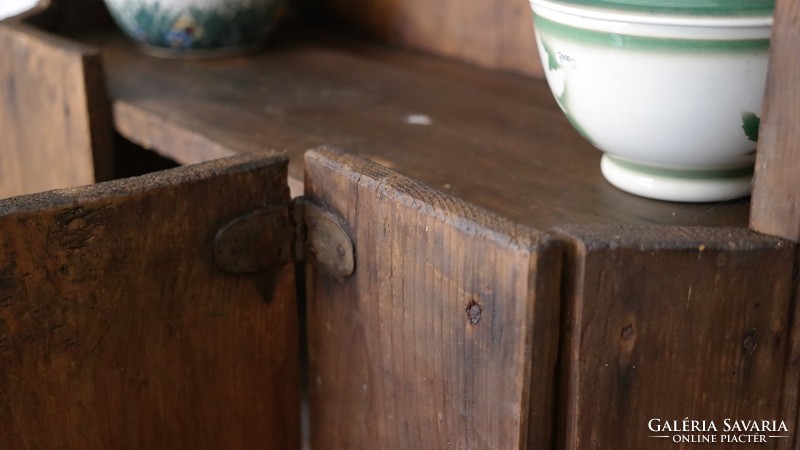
[(692, 186)]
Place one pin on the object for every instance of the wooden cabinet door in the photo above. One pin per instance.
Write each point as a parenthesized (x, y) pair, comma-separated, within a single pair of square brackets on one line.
[(445, 334), (119, 329), (679, 337)]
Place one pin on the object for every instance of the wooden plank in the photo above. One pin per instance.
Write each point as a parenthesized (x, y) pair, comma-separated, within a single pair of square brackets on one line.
[(494, 140), (55, 126), (673, 324), (495, 34), (445, 336), (776, 198), (117, 330)]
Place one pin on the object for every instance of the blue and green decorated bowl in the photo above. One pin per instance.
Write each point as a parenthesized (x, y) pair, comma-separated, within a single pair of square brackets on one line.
[(196, 28), (669, 90)]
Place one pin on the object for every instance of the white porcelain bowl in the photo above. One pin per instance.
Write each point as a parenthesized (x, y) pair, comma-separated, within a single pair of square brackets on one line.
[(672, 97)]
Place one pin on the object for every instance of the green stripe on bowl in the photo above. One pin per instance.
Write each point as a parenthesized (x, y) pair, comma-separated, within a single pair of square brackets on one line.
[(605, 39), (687, 174), (682, 7)]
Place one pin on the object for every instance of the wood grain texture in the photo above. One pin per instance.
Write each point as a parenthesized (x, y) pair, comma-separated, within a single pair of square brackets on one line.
[(446, 334), (494, 140), (55, 126), (776, 198), (118, 331), (494, 34), (673, 323)]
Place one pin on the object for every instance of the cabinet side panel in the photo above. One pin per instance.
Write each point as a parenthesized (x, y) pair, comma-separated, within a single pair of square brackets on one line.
[(68, 16), (670, 332), (430, 343), (55, 127), (776, 197), (494, 34), (118, 330)]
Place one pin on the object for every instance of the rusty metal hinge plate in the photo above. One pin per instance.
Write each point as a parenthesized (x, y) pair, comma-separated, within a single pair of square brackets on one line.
[(255, 241), (328, 242)]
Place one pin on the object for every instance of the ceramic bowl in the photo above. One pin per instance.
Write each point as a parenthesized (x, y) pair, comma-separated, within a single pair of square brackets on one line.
[(669, 90), (196, 28)]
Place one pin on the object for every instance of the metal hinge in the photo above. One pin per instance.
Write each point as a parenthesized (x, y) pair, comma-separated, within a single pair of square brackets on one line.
[(298, 231), (328, 244), (255, 241)]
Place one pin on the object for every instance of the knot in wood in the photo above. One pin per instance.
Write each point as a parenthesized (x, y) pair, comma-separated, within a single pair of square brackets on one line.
[(474, 312)]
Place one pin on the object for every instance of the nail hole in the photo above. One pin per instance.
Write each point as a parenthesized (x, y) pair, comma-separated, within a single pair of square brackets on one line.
[(627, 332)]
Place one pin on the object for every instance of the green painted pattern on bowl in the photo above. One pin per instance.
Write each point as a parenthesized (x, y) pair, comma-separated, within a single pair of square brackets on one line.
[(750, 125), (192, 28), (736, 8), (615, 40)]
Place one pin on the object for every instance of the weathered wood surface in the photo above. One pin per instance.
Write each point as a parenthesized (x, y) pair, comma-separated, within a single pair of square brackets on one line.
[(669, 324), (117, 331), (776, 195), (446, 334), (55, 129), (494, 34), (494, 140)]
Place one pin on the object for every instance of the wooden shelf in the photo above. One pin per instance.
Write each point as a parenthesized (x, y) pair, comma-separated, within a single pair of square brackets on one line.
[(495, 140)]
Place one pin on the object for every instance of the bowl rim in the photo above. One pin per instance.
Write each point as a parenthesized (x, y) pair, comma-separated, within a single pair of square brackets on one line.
[(651, 18)]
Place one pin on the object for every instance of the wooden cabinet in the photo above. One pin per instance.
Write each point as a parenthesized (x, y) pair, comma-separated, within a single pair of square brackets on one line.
[(470, 281)]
